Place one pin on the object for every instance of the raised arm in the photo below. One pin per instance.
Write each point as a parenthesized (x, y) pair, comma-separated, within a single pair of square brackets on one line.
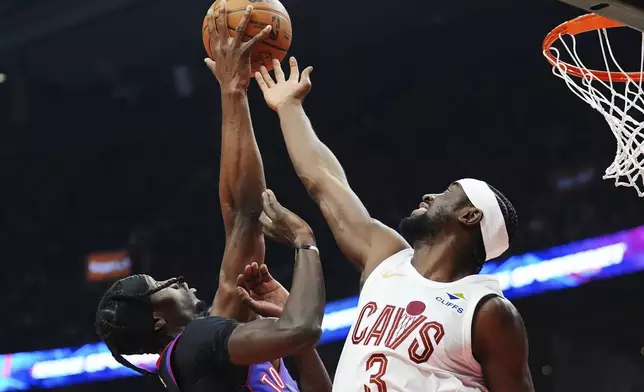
[(300, 324), (364, 240), (500, 345), (241, 174)]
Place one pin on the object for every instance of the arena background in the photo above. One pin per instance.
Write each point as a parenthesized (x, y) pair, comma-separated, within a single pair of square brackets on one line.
[(109, 124)]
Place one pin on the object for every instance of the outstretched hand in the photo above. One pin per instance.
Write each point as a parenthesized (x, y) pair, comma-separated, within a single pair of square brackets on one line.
[(232, 66), (260, 292), (282, 225), (281, 91)]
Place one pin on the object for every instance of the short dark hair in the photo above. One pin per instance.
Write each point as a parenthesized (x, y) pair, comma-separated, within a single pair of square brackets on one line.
[(125, 322), (511, 224)]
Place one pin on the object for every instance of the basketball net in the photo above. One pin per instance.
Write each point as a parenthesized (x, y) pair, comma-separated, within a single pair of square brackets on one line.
[(617, 95)]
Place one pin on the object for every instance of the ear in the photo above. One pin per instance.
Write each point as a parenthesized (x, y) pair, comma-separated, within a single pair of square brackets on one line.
[(470, 216), (159, 323)]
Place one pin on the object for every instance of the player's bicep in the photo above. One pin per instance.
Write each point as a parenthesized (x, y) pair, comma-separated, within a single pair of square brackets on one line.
[(500, 344), (267, 339), (362, 239)]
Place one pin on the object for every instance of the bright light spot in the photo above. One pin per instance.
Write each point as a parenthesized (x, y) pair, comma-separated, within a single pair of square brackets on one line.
[(3, 77)]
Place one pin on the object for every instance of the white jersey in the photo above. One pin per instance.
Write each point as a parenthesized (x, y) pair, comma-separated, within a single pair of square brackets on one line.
[(413, 334)]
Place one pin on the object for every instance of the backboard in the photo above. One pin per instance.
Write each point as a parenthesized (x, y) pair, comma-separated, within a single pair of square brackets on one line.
[(629, 12)]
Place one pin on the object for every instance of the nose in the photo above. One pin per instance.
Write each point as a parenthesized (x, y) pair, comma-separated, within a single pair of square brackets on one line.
[(429, 198)]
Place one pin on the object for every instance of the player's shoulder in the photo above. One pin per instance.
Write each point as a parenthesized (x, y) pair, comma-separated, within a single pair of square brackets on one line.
[(498, 334), (207, 325), (201, 354), (384, 242), (205, 339), (496, 316), (389, 239), (497, 308)]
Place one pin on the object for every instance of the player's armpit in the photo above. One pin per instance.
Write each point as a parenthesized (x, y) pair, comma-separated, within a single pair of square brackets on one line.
[(364, 241), (500, 344), (268, 339)]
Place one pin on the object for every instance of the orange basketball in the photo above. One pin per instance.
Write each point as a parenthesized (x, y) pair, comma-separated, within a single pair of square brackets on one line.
[(265, 12)]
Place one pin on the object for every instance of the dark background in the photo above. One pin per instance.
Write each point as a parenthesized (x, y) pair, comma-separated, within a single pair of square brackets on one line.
[(104, 146)]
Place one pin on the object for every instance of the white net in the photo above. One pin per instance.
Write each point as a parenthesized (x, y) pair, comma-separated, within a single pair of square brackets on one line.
[(619, 100)]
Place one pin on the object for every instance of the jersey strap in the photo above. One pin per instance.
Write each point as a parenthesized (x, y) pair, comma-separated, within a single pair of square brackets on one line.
[(165, 369)]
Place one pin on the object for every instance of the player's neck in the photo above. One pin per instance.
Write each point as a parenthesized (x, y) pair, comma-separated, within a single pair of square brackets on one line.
[(163, 343), (440, 259), (171, 333)]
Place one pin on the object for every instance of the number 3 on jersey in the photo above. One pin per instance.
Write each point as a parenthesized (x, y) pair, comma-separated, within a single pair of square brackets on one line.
[(377, 365)]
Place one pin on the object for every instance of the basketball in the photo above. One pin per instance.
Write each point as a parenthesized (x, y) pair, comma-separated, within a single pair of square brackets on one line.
[(265, 12)]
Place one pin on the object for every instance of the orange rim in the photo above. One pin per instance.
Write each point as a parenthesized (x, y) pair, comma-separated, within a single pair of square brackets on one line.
[(584, 24)]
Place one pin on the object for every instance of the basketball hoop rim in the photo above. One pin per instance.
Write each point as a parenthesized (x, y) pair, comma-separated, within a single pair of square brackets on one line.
[(584, 24)]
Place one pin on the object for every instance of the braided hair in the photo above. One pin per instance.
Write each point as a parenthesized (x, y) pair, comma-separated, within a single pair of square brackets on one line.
[(125, 322), (511, 224)]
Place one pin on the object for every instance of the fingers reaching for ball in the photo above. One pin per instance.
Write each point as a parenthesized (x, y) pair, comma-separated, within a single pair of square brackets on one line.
[(281, 91), (277, 70), (213, 27), (259, 37), (215, 22), (306, 76), (295, 69), (219, 33), (264, 79), (221, 22), (212, 24), (240, 31)]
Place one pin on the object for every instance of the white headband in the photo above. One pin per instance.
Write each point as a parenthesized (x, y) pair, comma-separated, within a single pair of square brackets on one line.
[(493, 230)]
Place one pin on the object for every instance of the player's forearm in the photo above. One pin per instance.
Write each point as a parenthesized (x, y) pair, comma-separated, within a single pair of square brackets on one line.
[(241, 181), (304, 308), (313, 374), (300, 324), (312, 159)]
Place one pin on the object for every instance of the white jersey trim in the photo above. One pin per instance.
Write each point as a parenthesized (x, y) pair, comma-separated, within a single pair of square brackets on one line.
[(467, 329)]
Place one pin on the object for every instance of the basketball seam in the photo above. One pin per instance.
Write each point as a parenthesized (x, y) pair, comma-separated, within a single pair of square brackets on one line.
[(260, 9)]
